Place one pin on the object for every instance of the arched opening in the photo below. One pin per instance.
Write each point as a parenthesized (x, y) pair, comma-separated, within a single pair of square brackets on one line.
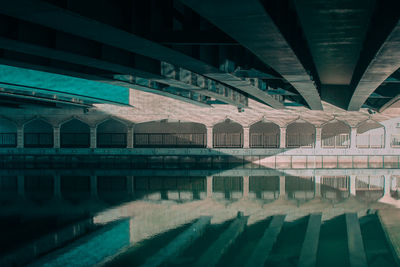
[(170, 134), (8, 133), (111, 134), (335, 188), (228, 134), (369, 188), (75, 133), (38, 133), (227, 187), (75, 188), (264, 187), (335, 135), (300, 134), (264, 135), (39, 188), (370, 134), (301, 189), (112, 189)]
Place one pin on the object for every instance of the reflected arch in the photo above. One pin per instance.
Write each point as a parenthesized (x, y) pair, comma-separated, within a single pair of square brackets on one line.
[(228, 134), (170, 134), (8, 133), (300, 134), (335, 134), (38, 133), (264, 135), (112, 134), (75, 133), (370, 134)]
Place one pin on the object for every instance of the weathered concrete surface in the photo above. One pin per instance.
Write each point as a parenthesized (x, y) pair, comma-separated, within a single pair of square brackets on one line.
[(355, 243), (308, 254), (390, 219), (265, 244)]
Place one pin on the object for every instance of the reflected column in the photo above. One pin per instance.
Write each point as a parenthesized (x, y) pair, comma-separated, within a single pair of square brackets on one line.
[(20, 136), (386, 186), (93, 137), (56, 137), (129, 136), (209, 186), (246, 137), (282, 137), (352, 186), (245, 187), (57, 186), (282, 187), (318, 138), (21, 185), (93, 186), (353, 139), (209, 136), (130, 185), (317, 186)]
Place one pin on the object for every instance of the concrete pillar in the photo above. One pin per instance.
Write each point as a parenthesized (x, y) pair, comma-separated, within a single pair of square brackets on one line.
[(56, 137), (353, 138), (317, 190), (21, 185), (209, 137), (209, 186), (246, 187), (318, 137), (57, 186), (246, 137), (130, 185), (20, 136), (93, 137), (129, 136), (282, 189), (352, 186), (387, 186), (388, 138), (93, 186), (282, 137)]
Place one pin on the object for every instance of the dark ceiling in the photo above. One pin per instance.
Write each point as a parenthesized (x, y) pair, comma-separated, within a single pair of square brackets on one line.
[(345, 52)]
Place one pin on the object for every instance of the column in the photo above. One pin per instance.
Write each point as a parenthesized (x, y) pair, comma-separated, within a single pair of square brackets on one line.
[(282, 137), (246, 187), (56, 137), (209, 186), (21, 185), (93, 137), (20, 136), (282, 189), (93, 186), (317, 192), (246, 137), (352, 186), (57, 186), (130, 185), (353, 138), (129, 136), (209, 136), (318, 137)]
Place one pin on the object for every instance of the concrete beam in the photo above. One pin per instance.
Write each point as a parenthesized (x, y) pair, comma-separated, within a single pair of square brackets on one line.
[(58, 19), (308, 254), (385, 62), (264, 246), (214, 253), (252, 27), (179, 244), (355, 244)]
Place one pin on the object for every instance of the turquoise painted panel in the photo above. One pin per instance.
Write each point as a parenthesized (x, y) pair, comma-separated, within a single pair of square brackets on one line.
[(45, 82)]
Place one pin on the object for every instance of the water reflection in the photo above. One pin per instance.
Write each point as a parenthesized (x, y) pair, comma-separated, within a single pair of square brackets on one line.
[(34, 206)]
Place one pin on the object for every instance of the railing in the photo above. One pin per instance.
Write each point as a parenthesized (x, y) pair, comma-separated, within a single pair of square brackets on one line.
[(38, 140), (79, 140), (117, 140), (336, 141), (370, 141), (170, 140), (395, 142), (228, 140), (8, 139), (263, 140), (300, 140)]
